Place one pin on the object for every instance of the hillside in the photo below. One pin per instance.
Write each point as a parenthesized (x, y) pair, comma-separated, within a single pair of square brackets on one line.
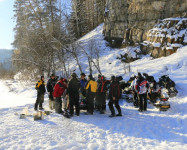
[(135, 130)]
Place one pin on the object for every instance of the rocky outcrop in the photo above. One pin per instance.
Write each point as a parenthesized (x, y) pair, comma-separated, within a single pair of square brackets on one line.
[(131, 20), (166, 37)]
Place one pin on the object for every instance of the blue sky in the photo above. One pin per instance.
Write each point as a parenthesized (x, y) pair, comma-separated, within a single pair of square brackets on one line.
[(6, 24)]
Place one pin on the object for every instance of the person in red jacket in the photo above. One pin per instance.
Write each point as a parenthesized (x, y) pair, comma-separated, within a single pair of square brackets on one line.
[(58, 92)]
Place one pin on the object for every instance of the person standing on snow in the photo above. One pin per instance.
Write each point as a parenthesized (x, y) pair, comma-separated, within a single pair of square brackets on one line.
[(58, 92), (91, 87), (142, 87), (40, 87), (101, 93), (83, 82), (114, 95), (50, 88), (73, 94)]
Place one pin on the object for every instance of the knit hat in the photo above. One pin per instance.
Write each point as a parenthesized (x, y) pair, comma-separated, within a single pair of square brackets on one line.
[(42, 77), (74, 75), (90, 76), (52, 75), (65, 80), (83, 74), (61, 78), (99, 76)]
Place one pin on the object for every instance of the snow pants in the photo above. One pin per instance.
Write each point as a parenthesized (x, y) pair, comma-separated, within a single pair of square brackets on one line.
[(101, 101), (39, 101), (143, 102), (90, 102), (74, 101), (58, 105), (51, 104), (135, 99), (111, 107), (65, 103)]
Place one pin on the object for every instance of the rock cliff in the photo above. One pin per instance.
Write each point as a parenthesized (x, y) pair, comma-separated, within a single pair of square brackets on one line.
[(130, 20)]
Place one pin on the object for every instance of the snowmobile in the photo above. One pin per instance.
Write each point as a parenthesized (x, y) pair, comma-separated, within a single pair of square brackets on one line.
[(127, 93), (166, 82), (162, 102), (82, 102)]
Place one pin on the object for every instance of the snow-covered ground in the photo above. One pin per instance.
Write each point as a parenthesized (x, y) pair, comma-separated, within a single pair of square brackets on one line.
[(135, 130)]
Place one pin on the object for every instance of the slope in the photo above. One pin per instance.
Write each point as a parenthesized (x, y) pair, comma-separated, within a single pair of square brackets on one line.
[(148, 130)]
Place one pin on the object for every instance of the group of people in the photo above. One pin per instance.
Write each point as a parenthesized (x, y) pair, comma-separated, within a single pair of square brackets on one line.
[(64, 94)]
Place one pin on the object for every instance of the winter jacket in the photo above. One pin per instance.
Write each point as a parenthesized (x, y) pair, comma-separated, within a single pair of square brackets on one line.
[(102, 86), (51, 84), (83, 83), (73, 86), (40, 87), (114, 90), (59, 89), (91, 86), (141, 86)]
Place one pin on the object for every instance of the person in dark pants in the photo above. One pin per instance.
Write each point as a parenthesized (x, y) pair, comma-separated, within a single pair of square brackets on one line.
[(73, 93), (91, 87), (114, 95), (40, 87), (58, 92), (101, 94), (141, 88), (50, 88)]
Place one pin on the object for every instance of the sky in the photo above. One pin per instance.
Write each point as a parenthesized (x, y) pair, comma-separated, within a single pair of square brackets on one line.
[(6, 24)]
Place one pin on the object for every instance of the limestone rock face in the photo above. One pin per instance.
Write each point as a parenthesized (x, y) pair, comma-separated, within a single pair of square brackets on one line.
[(130, 20), (166, 37)]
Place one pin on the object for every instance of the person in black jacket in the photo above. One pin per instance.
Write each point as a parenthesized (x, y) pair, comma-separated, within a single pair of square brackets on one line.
[(50, 88), (40, 87), (73, 93), (114, 95)]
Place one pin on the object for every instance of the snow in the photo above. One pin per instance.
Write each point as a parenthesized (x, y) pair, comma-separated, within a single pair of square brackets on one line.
[(156, 44), (170, 28), (135, 130)]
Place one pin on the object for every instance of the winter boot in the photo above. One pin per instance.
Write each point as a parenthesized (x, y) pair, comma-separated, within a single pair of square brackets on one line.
[(119, 115), (41, 108), (119, 111), (112, 115), (111, 109), (77, 113), (35, 107)]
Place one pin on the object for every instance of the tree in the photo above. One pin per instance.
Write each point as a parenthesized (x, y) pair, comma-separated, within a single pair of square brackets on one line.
[(38, 32)]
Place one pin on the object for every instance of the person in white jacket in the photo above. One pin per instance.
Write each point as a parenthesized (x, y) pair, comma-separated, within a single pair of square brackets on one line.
[(142, 88)]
